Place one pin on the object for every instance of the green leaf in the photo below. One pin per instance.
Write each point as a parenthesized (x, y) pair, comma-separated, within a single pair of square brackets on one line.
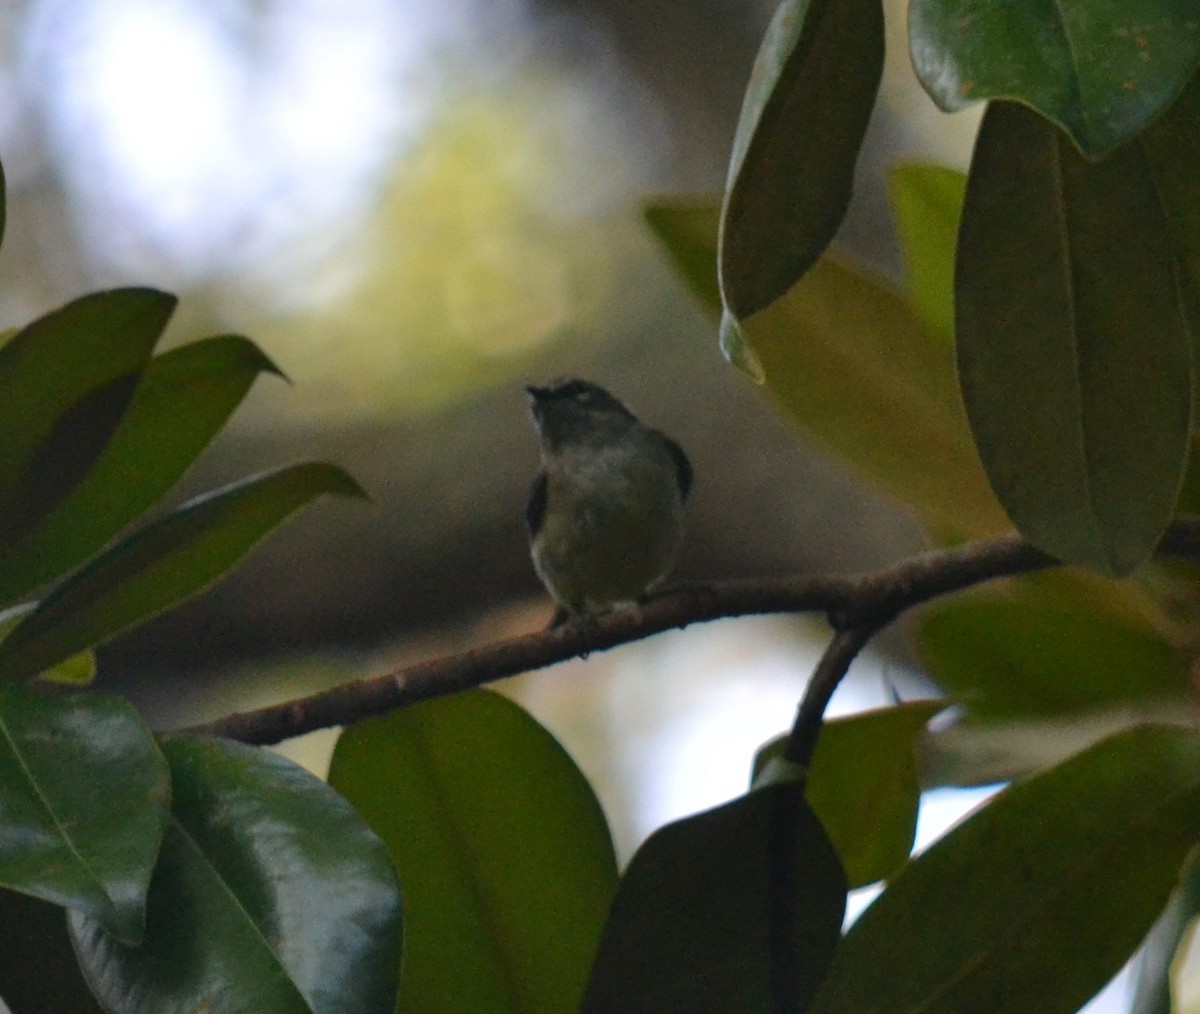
[(926, 203), (184, 398), (1033, 649), (848, 361), (738, 908), (77, 671), (1073, 354), (1183, 973), (862, 786), (65, 381), (84, 796), (63, 458), (1171, 145), (1172, 148), (501, 846), (688, 229), (1152, 979), (163, 564), (271, 895), (974, 753), (1035, 901), (38, 970), (802, 123), (736, 348), (1100, 72)]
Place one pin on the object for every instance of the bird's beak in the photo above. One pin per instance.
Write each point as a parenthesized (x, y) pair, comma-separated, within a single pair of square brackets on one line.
[(535, 396)]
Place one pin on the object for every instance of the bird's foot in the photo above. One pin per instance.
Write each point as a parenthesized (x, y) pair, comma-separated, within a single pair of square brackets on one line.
[(562, 616), (582, 620)]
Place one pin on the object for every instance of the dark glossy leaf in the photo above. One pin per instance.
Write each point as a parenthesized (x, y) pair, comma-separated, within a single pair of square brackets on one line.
[(502, 849), (77, 670), (1073, 354), (38, 970), (738, 908), (271, 895), (63, 457), (1152, 978), (1036, 648), (926, 202), (184, 398), (163, 564), (55, 361), (1034, 902), (84, 795), (1172, 148), (736, 348), (1101, 72), (65, 381), (688, 229), (802, 123), (862, 786)]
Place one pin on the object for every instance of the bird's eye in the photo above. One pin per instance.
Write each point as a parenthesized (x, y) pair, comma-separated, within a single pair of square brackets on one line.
[(577, 390)]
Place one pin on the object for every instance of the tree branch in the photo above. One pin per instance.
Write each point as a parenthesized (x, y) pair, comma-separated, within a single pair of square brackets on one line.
[(833, 665), (857, 606)]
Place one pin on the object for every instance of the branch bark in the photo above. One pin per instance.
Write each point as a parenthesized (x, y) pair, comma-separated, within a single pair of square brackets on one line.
[(857, 607)]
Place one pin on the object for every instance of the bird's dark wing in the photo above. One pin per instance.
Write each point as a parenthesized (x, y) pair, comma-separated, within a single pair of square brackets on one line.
[(535, 506), (683, 468)]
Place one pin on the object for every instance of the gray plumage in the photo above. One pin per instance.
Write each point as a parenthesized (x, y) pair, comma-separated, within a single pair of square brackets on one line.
[(605, 513)]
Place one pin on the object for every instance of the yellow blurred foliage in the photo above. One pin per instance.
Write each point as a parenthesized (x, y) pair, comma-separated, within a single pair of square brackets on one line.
[(494, 236)]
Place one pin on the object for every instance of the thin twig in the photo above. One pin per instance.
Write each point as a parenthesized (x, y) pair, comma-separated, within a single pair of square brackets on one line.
[(834, 664), (857, 606)]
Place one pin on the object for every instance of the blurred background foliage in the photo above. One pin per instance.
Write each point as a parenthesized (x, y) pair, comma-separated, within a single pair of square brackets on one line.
[(415, 207)]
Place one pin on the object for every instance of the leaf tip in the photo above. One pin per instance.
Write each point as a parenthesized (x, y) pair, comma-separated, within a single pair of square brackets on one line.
[(77, 671), (263, 362), (737, 350), (342, 483)]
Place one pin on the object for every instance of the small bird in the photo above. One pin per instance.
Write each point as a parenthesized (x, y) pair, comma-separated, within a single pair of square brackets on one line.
[(605, 514)]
